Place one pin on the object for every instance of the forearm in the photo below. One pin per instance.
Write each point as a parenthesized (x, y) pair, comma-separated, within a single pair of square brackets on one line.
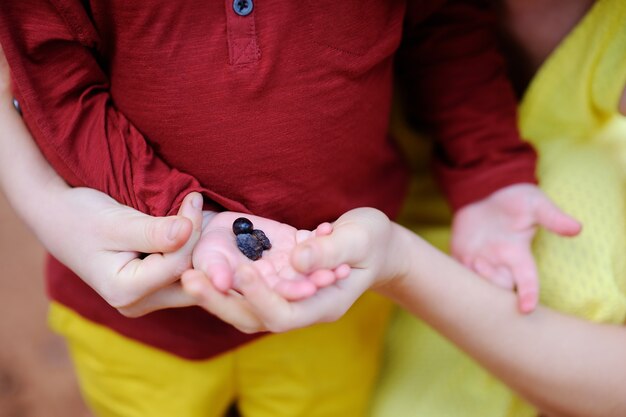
[(563, 365), (456, 86), (27, 180), (65, 96)]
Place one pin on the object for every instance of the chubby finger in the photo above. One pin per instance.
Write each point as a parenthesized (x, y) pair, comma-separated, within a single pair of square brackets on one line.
[(342, 271), (503, 277), (324, 229), (217, 268), (323, 278), (524, 271), (497, 275), (279, 315), (295, 289), (271, 309), (172, 296), (555, 220), (229, 307), (345, 245)]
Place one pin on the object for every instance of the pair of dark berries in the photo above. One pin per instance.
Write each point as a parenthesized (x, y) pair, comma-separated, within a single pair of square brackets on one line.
[(251, 242)]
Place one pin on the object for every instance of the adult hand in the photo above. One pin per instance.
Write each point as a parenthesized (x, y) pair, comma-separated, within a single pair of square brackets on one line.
[(493, 237)]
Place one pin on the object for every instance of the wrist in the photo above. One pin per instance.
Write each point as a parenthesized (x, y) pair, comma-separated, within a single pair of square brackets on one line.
[(398, 259)]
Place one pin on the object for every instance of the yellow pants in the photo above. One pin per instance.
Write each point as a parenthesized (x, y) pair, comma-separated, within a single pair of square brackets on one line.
[(424, 374), (326, 370)]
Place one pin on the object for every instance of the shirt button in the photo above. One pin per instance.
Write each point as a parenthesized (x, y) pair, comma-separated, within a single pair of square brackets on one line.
[(243, 7), (16, 104)]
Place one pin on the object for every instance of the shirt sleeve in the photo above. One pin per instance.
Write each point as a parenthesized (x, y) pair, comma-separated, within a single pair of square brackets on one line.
[(457, 88), (52, 49)]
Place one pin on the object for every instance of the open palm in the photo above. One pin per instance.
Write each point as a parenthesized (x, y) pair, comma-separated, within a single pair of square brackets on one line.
[(217, 256)]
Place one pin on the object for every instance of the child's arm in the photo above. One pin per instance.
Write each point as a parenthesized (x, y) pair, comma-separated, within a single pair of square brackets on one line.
[(217, 257), (262, 308), (65, 96), (64, 93), (459, 91), (493, 237), (563, 365), (93, 235), (455, 85)]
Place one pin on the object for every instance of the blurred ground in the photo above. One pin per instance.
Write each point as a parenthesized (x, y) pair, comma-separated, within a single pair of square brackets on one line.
[(36, 376)]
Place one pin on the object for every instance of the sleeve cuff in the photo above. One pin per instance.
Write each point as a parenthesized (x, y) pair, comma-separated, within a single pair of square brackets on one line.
[(465, 186)]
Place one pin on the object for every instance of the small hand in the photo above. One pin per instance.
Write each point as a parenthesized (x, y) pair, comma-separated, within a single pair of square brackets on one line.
[(217, 256), (257, 307), (493, 237)]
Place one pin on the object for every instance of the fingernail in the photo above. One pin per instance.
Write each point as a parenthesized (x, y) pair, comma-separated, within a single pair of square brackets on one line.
[(196, 201), (175, 229)]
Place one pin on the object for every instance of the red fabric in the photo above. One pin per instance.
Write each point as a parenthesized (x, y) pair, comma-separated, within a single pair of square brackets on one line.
[(456, 87), (282, 113)]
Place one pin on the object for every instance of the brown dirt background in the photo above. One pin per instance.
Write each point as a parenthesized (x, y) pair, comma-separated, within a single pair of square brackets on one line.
[(36, 375)]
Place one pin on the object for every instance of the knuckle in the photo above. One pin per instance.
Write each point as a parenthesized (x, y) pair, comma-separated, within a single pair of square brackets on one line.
[(364, 237), (151, 232), (249, 329), (130, 312), (333, 316), (277, 326), (118, 299)]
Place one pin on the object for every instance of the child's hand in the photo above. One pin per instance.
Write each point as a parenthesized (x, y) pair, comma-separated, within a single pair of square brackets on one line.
[(101, 241), (493, 237), (218, 257), (361, 238)]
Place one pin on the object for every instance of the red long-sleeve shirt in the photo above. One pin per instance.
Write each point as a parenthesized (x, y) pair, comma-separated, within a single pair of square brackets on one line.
[(282, 112)]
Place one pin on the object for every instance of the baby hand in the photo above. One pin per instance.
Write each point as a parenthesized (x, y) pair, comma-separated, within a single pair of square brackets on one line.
[(217, 255), (493, 237), (360, 238)]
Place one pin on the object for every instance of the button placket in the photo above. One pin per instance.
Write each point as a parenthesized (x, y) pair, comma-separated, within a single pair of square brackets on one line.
[(243, 47)]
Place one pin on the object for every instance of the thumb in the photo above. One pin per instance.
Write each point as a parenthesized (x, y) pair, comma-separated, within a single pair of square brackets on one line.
[(148, 234), (347, 244), (555, 220)]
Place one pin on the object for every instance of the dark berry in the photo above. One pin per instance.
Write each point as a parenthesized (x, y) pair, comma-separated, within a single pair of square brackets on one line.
[(249, 246), (242, 225), (260, 235)]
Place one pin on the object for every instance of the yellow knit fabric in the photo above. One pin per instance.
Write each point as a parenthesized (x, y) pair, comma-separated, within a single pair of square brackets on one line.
[(570, 115)]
